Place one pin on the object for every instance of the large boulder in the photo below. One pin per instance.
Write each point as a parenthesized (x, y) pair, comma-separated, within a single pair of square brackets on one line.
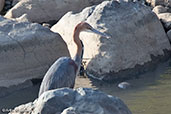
[(2, 3), (137, 34), (47, 10), (27, 50), (68, 101)]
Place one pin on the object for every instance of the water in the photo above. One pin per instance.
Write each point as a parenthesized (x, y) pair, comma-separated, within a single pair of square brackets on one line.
[(150, 94), (19, 97)]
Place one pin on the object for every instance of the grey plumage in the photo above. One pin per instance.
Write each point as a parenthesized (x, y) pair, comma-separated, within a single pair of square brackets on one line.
[(61, 74)]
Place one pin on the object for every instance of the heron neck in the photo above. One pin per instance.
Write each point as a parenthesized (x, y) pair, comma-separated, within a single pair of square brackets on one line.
[(78, 43)]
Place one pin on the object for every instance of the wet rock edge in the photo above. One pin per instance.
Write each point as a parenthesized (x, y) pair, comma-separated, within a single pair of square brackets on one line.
[(132, 73)]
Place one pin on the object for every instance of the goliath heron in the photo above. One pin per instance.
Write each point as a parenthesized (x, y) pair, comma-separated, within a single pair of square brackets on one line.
[(63, 72)]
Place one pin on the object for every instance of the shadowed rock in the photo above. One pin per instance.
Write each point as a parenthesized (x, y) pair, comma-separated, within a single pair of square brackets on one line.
[(165, 19), (159, 9), (169, 35), (2, 3), (159, 2)]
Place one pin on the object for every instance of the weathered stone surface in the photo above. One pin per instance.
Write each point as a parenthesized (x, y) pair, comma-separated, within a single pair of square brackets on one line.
[(169, 3), (2, 2), (159, 9), (154, 3), (22, 18), (124, 85), (165, 19), (157, 2), (169, 35), (136, 35), (14, 2), (26, 51), (47, 10), (80, 101), (46, 25)]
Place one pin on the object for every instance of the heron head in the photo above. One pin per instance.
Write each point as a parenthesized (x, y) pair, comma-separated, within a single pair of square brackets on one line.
[(84, 26)]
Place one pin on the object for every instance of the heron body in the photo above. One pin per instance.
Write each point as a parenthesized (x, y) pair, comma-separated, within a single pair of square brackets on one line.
[(63, 72)]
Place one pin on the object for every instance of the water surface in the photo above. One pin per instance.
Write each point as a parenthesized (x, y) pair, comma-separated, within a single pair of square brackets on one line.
[(150, 94)]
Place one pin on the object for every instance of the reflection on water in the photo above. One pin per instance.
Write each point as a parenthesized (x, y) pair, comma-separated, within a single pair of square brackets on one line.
[(150, 94)]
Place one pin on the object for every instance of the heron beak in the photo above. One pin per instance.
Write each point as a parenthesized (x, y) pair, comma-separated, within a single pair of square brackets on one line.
[(99, 33)]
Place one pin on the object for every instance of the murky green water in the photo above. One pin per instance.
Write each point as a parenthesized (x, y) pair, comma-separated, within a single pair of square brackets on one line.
[(150, 94), (19, 97)]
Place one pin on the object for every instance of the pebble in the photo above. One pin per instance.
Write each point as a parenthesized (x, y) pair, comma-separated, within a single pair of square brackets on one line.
[(124, 85)]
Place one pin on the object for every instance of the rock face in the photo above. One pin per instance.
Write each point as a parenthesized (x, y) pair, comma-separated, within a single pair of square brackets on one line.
[(136, 35), (68, 101), (169, 35), (158, 2), (47, 10), (2, 2), (168, 3), (14, 2), (159, 9), (166, 20), (27, 51)]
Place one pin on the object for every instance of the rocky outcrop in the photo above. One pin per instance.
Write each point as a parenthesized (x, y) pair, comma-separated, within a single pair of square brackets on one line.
[(136, 35), (166, 20), (159, 9), (163, 11), (2, 2), (68, 101), (159, 2), (27, 50), (14, 2), (47, 10)]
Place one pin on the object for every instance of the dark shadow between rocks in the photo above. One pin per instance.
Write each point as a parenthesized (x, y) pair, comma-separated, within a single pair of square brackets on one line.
[(7, 6)]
